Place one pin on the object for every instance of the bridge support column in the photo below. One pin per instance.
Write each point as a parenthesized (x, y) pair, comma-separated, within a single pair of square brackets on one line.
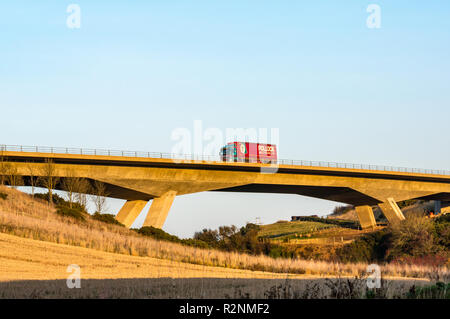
[(366, 216), (391, 210), (159, 210), (130, 211)]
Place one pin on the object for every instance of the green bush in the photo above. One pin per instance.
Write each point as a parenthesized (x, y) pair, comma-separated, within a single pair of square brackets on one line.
[(106, 218), (3, 196), (408, 202), (158, 234), (441, 231), (280, 252), (208, 236), (415, 240), (368, 248), (59, 201), (413, 237), (195, 243), (438, 291), (56, 199), (245, 239), (70, 212)]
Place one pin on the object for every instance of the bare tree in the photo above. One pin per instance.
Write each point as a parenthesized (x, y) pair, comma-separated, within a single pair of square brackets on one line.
[(70, 185), (76, 188), (12, 175), (81, 188), (2, 169), (32, 172), (49, 178), (99, 196)]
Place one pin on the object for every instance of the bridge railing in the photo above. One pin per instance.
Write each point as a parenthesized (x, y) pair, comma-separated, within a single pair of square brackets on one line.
[(206, 158)]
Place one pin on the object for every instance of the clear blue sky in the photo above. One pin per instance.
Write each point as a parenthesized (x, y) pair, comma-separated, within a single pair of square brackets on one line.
[(135, 71)]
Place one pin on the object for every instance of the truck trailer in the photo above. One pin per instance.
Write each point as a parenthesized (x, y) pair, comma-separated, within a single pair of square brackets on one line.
[(249, 152)]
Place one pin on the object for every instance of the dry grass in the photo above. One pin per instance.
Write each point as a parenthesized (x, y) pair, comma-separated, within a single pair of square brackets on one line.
[(38, 269), (28, 259), (199, 288), (24, 217)]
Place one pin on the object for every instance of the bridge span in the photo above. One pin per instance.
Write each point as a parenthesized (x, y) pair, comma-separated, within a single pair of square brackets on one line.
[(139, 177)]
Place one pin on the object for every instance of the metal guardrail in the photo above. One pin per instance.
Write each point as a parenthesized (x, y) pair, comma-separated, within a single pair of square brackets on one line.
[(84, 151)]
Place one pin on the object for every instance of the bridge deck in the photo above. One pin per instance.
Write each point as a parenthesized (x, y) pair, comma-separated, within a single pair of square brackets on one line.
[(308, 167), (139, 177)]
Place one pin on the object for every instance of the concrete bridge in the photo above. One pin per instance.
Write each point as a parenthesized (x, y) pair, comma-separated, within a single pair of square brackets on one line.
[(139, 177)]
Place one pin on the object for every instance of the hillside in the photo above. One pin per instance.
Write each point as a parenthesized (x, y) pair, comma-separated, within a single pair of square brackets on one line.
[(23, 216), (408, 207), (20, 215), (312, 230), (37, 245), (22, 258), (27, 272)]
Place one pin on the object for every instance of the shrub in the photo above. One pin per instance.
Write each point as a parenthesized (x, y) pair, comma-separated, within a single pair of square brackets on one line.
[(368, 248), (208, 236), (275, 251), (3, 196), (442, 231), (59, 201), (413, 237), (158, 234), (438, 291), (226, 238), (195, 243), (70, 212), (106, 218)]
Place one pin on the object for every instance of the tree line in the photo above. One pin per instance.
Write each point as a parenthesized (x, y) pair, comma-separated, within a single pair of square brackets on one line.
[(76, 188)]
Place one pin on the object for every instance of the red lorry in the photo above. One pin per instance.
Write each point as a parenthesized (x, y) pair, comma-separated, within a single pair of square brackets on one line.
[(249, 152)]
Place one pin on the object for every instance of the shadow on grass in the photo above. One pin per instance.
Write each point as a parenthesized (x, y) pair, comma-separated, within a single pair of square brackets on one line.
[(200, 288)]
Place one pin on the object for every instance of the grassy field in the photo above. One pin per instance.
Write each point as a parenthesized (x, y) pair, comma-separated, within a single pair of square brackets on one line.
[(24, 217), (292, 229), (37, 245), (328, 236), (310, 232), (22, 258), (37, 269)]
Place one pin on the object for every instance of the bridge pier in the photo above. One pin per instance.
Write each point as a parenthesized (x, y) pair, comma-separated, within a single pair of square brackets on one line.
[(130, 211), (391, 210), (365, 216), (159, 210)]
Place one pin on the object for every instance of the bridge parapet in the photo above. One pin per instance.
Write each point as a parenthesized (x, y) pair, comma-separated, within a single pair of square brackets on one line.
[(209, 158)]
